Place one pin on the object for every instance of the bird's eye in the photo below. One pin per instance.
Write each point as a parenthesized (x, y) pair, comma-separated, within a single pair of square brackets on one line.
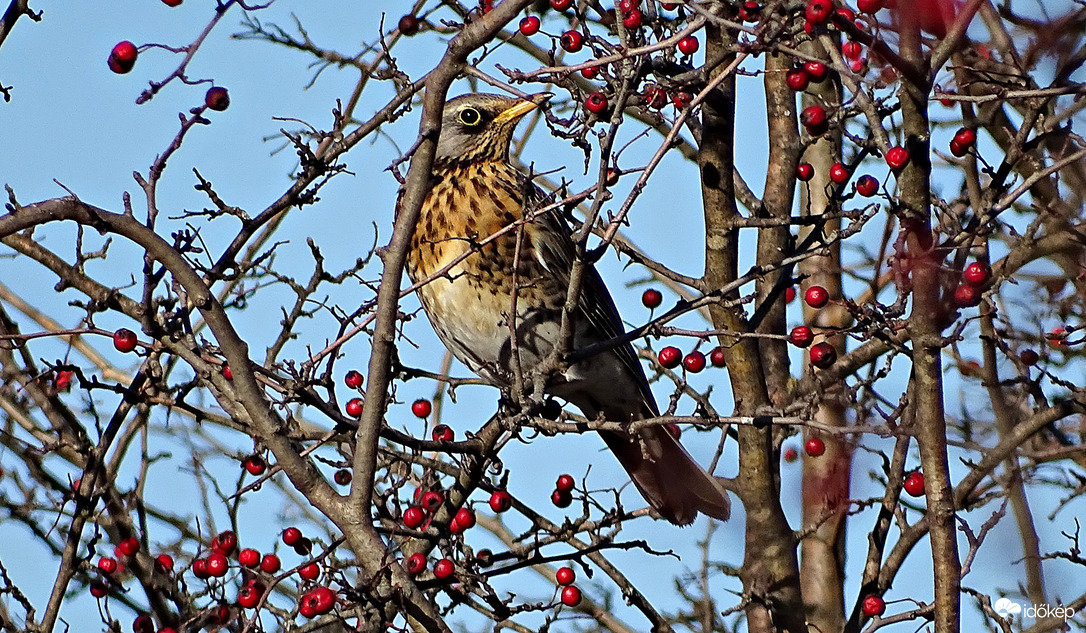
[(470, 117)]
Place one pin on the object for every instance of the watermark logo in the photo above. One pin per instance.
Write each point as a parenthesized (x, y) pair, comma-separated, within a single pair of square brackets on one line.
[(1007, 608)]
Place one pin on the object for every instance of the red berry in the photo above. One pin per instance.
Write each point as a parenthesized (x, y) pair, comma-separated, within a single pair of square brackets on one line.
[(596, 103), (966, 296), (442, 433), (415, 563), (500, 501), (465, 517), (565, 576), (750, 11), (869, 6), (897, 157), (816, 71), (674, 430), (63, 380), (626, 6), (839, 174), (409, 25), (790, 454), (199, 568), (353, 379), (689, 45), (652, 298), (572, 41), (694, 362), (670, 357), (797, 79), (957, 148), (342, 477), (844, 14), (804, 171), (632, 20), (291, 536), (99, 589), (867, 186), (858, 65), (317, 602), (561, 498), (716, 357), (249, 557), (249, 596), (873, 605), (789, 294), (171, 3), (851, 50), (818, 11), (226, 542), (432, 500), (1028, 357), (123, 57), (143, 624), (164, 563), (444, 568), (561, 5), (413, 517), (255, 464), (977, 274), (816, 296), (529, 25), (914, 483), (965, 138), (270, 564), (129, 546), (312, 571), (571, 596), (564, 483), (421, 408), (217, 565), (823, 355), (354, 407), (590, 72), (107, 565), (814, 119), (227, 373), (814, 447), (124, 340), (654, 96), (801, 336), (217, 98)]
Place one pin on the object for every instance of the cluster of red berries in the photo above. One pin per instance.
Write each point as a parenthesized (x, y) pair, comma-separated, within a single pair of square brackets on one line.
[(563, 491), (964, 139), (822, 354), (112, 567), (569, 594), (671, 357), (974, 278)]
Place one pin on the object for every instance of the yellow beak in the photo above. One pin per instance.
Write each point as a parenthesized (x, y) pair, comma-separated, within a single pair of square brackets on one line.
[(520, 108)]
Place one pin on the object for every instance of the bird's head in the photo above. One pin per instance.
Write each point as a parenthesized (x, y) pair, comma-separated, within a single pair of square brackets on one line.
[(479, 127)]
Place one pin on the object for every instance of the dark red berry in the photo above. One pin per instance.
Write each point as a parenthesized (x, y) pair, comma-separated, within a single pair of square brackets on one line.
[(823, 355), (199, 568), (789, 294), (415, 563), (674, 430), (797, 79), (123, 57), (632, 20), (409, 25), (124, 340), (565, 576), (255, 465), (291, 536), (654, 96), (790, 454), (966, 296), (353, 379), (652, 298), (217, 98), (270, 564), (564, 483), (129, 546), (225, 542), (164, 563), (814, 119), (107, 565), (249, 557), (465, 518), (670, 357), (750, 11), (816, 296), (442, 433), (867, 186), (804, 171), (172, 3), (561, 499), (354, 407), (99, 589), (590, 72), (801, 336), (143, 624), (694, 362), (1028, 357), (342, 477), (851, 50), (814, 447), (716, 357)]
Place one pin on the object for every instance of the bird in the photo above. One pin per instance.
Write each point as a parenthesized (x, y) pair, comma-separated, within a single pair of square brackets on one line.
[(476, 191)]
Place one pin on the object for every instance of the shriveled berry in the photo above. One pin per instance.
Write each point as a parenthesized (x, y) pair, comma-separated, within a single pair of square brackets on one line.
[(716, 357)]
